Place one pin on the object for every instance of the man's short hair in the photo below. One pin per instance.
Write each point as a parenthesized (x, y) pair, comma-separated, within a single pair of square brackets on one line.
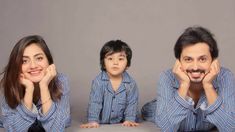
[(194, 35)]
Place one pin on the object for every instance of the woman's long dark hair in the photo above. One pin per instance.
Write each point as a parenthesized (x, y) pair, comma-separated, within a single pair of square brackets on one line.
[(13, 90)]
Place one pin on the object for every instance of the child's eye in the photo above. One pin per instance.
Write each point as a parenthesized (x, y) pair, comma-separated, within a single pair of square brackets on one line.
[(109, 58), (121, 59)]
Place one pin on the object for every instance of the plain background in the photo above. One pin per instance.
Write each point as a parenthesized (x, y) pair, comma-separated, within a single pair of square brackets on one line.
[(75, 31)]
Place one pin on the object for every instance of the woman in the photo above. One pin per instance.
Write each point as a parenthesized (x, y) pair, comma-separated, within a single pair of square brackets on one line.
[(35, 96)]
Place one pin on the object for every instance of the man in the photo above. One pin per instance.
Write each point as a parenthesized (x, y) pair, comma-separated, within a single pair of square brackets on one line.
[(197, 94)]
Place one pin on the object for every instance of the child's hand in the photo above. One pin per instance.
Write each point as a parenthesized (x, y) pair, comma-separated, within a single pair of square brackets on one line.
[(130, 124), (90, 125), (50, 74)]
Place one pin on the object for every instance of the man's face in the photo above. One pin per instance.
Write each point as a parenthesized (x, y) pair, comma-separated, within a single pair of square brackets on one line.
[(196, 60)]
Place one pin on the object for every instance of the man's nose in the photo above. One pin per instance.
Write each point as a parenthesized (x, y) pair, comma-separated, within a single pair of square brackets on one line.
[(195, 65)]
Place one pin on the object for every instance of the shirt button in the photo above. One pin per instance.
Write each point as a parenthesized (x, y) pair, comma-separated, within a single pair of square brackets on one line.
[(113, 97), (112, 110)]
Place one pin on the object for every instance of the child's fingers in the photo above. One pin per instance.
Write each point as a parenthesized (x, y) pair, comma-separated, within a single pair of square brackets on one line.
[(89, 125)]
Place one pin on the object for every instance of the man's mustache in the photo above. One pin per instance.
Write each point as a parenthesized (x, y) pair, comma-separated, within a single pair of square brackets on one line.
[(198, 70)]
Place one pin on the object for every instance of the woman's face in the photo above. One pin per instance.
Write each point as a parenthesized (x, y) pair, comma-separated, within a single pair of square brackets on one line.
[(34, 63)]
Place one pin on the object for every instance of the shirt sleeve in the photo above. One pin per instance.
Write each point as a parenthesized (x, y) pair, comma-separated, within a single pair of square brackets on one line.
[(171, 108), (95, 102), (132, 103), (222, 112), (58, 117), (17, 120)]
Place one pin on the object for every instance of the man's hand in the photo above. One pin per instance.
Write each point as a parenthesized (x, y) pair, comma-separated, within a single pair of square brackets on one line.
[(183, 79), (213, 72), (181, 73), (211, 94)]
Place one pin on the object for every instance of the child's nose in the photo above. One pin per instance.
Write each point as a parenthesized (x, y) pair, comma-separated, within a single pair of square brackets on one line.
[(115, 61)]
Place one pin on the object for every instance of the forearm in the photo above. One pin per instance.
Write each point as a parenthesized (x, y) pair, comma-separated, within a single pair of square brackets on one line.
[(57, 117), (183, 90), (28, 98), (45, 99), (211, 94)]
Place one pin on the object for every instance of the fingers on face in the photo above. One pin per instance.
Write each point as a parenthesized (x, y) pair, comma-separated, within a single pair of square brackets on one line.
[(177, 66), (215, 66), (51, 70)]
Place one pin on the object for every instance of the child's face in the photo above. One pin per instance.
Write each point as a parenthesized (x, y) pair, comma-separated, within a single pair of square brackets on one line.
[(115, 64), (34, 64)]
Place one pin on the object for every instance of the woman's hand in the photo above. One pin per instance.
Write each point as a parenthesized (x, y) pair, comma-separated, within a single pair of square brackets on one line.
[(29, 86), (50, 74)]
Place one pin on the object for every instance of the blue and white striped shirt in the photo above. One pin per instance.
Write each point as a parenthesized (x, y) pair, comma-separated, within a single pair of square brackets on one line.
[(173, 113), (55, 120), (107, 106)]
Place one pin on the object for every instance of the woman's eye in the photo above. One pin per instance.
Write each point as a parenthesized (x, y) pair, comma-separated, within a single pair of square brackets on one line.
[(39, 58), (25, 61)]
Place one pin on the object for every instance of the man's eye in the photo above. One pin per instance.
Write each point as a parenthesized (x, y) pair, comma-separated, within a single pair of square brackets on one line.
[(203, 60), (187, 60)]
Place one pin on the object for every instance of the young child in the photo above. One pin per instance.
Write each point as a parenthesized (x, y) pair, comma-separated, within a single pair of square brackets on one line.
[(114, 93)]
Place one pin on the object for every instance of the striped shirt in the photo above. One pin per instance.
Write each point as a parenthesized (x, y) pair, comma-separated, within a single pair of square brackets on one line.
[(173, 113), (55, 120), (107, 106)]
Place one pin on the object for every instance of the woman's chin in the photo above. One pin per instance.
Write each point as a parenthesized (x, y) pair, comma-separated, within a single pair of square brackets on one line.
[(35, 80)]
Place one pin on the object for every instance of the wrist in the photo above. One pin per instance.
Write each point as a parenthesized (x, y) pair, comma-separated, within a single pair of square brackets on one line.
[(207, 85), (183, 89), (29, 89), (185, 85)]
